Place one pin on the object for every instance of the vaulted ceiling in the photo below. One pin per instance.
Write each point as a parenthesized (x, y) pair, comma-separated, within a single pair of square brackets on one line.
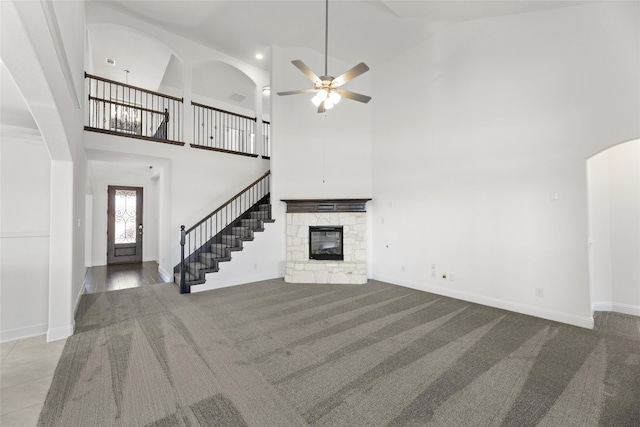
[(359, 30), (372, 31)]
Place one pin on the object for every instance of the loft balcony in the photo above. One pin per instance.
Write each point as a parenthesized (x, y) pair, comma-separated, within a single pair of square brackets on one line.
[(124, 110)]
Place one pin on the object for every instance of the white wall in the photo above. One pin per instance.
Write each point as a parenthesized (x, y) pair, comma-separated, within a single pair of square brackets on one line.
[(476, 131), (600, 231), (614, 214), (45, 59), (103, 174), (316, 155), (24, 235)]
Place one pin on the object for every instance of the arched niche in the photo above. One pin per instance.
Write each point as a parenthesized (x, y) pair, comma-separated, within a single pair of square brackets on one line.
[(221, 85), (151, 64)]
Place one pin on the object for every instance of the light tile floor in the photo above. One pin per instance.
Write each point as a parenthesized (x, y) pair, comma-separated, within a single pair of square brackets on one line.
[(26, 369)]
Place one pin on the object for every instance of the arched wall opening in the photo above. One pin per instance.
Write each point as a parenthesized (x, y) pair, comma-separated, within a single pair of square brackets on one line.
[(613, 182), (137, 59), (221, 85)]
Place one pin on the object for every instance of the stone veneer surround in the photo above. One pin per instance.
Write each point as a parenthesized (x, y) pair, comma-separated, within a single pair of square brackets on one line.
[(300, 269)]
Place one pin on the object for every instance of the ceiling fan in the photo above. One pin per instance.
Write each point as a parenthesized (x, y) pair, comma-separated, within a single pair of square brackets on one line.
[(326, 87)]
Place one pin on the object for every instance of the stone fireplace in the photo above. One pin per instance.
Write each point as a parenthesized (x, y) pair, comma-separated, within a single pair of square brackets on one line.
[(347, 215)]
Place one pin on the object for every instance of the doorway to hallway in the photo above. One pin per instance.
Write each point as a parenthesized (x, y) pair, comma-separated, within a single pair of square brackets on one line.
[(105, 278)]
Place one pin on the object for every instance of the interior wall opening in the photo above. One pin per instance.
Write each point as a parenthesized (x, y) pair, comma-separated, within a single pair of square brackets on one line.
[(613, 178)]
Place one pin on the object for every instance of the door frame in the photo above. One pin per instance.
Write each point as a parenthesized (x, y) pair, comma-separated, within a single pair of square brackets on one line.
[(112, 247)]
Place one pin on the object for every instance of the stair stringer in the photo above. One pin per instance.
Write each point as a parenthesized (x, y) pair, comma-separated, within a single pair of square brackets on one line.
[(261, 259)]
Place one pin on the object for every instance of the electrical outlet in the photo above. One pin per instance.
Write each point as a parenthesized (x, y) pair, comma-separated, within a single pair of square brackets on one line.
[(403, 269), (540, 292), (433, 270)]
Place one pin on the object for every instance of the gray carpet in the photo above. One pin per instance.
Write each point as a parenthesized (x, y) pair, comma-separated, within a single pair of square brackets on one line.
[(278, 354)]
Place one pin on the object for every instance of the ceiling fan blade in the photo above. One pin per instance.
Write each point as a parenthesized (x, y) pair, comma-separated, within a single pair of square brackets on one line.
[(350, 74), (296, 92), (306, 70), (353, 95)]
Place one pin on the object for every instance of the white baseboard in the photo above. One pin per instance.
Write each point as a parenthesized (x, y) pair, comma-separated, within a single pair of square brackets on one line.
[(25, 332), (165, 276), (60, 333), (556, 316), (82, 291), (616, 307), (634, 310), (601, 306)]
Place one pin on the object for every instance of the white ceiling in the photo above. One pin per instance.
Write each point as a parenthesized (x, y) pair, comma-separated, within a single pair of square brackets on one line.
[(372, 31)]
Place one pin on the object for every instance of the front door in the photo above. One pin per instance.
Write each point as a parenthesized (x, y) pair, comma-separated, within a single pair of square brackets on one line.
[(124, 229)]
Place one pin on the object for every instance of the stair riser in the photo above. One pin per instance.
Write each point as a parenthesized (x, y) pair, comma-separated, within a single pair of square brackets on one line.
[(242, 232), (259, 215), (230, 240), (252, 223)]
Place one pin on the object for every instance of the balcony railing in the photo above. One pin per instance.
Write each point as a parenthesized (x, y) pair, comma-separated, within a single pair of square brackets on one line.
[(221, 130), (122, 109)]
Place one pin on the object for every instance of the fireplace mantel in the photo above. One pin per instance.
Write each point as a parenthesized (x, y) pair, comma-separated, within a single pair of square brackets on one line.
[(325, 205)]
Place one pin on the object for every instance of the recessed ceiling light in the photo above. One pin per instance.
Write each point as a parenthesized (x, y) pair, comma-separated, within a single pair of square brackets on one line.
[(111, 61), (259, 56)]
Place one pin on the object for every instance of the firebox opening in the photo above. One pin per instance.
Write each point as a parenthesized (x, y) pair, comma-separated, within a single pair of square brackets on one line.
[(325, 243)]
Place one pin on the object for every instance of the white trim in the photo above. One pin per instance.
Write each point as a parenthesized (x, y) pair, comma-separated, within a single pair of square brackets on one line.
[(82, 291), (617, 307), (21, 134), (24, 332), (23, 234), (557, 316), (58, 44), (165, 276), (601, 306), (634, 310), (60, 333)]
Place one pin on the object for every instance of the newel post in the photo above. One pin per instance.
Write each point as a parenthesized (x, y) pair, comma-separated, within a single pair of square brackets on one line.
[(183, 264)]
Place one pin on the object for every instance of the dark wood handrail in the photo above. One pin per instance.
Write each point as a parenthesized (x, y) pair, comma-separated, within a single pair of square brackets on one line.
[(102, 79), (228, 202), (223, 111), (124, 104)]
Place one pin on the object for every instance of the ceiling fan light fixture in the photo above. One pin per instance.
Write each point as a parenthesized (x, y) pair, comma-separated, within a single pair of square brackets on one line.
[(334, 97), (328, 104), (320, 97)]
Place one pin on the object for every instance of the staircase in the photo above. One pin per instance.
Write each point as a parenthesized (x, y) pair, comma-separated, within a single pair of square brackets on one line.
[(212, 241)]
